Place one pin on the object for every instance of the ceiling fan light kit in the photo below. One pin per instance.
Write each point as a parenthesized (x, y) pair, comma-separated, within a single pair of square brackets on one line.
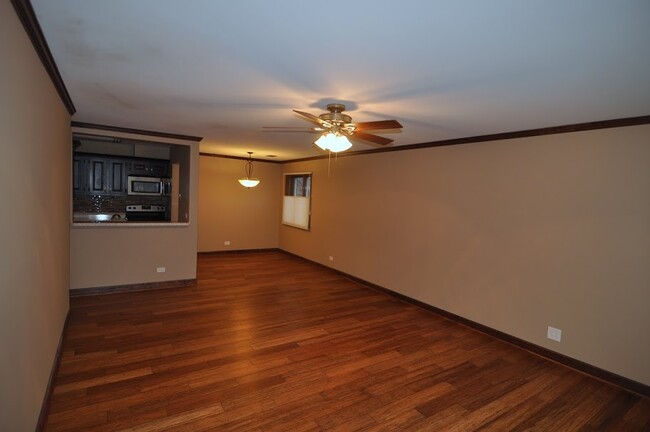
[(249, 181), (333, 142)]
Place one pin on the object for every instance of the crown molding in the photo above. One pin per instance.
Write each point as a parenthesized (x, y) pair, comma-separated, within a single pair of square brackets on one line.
[(134, 131), (553, 130), (215, 155)]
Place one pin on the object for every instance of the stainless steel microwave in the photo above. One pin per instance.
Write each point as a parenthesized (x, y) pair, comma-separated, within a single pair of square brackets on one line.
[(149, 186)]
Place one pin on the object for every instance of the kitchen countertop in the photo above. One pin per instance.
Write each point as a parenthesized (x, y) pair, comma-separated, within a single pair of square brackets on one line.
[(99, 217), (96, 220), (123, 224)]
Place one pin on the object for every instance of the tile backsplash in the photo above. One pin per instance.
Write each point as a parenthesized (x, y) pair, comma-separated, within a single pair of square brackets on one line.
[(114, 204)]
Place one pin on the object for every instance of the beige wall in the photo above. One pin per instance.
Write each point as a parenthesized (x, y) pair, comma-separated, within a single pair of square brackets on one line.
[(34, 233), (124, 255), (516, 235), (248, 218)]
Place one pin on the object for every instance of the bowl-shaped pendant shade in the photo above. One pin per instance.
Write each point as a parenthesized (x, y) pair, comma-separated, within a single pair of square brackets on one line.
[(249, 182)]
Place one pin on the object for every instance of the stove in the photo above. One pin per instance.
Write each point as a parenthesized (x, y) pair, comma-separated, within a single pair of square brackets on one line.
[(146, 213)]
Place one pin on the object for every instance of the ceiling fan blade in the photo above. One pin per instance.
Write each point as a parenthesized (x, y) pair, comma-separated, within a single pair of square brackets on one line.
[(312, 131), (312, 118), (381, 124), (291, 128), (372, 138)]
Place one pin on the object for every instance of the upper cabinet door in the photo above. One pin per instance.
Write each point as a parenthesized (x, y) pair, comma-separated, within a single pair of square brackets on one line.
[(159, 169), (98, 176), (118, 177), (79, 176)]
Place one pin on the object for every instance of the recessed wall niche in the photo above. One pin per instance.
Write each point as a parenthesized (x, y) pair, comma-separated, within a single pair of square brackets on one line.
[(177, 155)]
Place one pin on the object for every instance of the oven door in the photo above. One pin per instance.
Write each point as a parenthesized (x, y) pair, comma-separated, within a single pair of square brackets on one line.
[(147, 186)]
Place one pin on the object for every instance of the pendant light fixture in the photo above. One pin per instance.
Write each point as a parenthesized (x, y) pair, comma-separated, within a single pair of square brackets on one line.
[(249, 181)]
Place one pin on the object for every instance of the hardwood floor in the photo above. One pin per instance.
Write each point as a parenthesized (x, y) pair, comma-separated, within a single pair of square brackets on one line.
[(267, 342)]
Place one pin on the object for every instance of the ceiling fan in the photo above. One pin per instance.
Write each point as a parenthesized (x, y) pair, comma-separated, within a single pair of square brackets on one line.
[(336, 127)]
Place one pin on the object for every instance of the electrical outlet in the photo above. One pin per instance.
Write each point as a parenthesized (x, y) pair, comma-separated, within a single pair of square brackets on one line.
[(227, 243), (331, 258), (554, 334), (161, 269)]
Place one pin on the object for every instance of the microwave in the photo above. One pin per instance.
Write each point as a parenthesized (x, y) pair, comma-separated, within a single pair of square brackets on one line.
[(148, 186)]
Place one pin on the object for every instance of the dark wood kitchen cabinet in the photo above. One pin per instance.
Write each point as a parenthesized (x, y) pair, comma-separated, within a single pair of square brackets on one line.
[(78, 176), (148, 168), (117, 177), (93, 175)]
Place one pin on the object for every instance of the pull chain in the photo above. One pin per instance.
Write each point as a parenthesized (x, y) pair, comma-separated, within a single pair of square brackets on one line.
[(329, 162)]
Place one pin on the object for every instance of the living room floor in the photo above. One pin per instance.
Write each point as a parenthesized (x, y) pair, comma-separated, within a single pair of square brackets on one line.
[(266, 342)]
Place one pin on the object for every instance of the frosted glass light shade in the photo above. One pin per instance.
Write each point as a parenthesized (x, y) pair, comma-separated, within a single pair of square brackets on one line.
[(333, 142), (249, 182)]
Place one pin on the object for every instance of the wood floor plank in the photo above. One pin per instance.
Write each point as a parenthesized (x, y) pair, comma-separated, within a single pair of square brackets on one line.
[(174, 421), (100, 380), (267, 342)]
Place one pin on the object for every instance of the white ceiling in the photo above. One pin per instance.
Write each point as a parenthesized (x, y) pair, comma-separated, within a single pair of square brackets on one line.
[(444, 69)]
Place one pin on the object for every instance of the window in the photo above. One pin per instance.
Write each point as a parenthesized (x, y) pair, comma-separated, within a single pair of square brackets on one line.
[(296, 207)]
